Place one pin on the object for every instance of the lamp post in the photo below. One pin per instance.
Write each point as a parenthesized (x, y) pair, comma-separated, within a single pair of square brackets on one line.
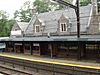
[(76, 10)]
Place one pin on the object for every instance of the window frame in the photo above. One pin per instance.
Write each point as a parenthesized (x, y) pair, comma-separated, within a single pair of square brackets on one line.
[(63, 27), (37, 31)]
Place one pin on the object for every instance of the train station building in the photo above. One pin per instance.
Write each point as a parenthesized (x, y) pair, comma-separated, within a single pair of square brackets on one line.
[(53, 34)]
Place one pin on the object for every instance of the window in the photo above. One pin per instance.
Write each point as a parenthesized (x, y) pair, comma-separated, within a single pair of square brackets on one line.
[(63, 27), (37, 28)]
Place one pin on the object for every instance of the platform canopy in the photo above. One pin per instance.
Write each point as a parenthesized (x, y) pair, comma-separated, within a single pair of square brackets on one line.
[(56, 38), (4, 38)]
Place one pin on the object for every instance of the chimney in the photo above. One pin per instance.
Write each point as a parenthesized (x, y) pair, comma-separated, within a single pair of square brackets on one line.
[(94, 2), (33, 11), (95, 8)]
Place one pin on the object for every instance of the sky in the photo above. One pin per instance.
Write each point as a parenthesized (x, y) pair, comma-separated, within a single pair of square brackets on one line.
[(11, 5)]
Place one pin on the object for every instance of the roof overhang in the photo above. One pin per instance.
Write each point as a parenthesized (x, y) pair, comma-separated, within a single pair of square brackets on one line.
[(55, 38)]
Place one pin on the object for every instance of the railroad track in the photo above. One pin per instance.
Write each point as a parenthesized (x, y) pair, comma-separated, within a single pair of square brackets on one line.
[(47, 67), (7, 70)]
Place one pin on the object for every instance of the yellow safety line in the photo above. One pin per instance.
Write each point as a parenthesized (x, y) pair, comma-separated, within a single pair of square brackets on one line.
[(49, 62)]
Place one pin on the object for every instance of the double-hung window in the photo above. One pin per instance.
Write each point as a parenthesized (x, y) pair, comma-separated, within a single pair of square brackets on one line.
[(37, 28), (63, 27)]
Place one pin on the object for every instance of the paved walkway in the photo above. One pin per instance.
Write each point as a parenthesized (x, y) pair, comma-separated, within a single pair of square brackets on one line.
[(65, 62)]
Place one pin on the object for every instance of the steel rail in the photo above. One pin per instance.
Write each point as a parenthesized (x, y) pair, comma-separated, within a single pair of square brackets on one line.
[(52, 67), (5, 69)]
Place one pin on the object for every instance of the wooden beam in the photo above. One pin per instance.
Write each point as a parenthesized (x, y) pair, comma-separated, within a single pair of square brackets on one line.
[(14, 47), (79, 51), (39, 50), (31, 48), (23, 45), (98, 53), (6, 48), (51, 50), (84, 50)]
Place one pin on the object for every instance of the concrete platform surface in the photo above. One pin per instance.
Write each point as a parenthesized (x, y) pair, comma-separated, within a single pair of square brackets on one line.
[(66, 62)]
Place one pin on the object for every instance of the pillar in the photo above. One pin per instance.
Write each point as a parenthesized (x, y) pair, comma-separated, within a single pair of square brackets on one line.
[(84, 50), (14, 47), (98, 53), (6, 47), (23, 45), (50, 47), (54, 49), (79, 51), (31, 48)]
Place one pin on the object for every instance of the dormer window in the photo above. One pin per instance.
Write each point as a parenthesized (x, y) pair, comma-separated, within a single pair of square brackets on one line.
[(63, 27), (37, 28)]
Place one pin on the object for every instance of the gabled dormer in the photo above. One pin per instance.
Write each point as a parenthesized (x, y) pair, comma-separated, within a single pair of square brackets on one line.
[(19, 28), (16, 31), (63, 24), (15, 27), (37, 26)]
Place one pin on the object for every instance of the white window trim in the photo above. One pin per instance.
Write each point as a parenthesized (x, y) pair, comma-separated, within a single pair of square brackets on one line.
[(36, 30), (61, 27)]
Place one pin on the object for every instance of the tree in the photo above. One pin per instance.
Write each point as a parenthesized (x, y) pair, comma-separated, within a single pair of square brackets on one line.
[(16, 14), (3, 14), (41, 6), (5, 24), (84, 2), (24, 13), (46, 5), (8, 27)]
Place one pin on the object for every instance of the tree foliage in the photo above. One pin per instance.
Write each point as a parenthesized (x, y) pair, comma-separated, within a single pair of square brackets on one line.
[(5, 24), (40, 6), (45, 6), (84, 2), (24, 13)]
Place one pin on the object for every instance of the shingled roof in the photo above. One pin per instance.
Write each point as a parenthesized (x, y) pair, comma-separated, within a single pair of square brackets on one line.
[(50, 19), (23, 25)]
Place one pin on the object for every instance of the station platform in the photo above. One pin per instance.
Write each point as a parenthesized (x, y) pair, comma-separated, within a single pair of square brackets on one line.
[(64, 62)]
